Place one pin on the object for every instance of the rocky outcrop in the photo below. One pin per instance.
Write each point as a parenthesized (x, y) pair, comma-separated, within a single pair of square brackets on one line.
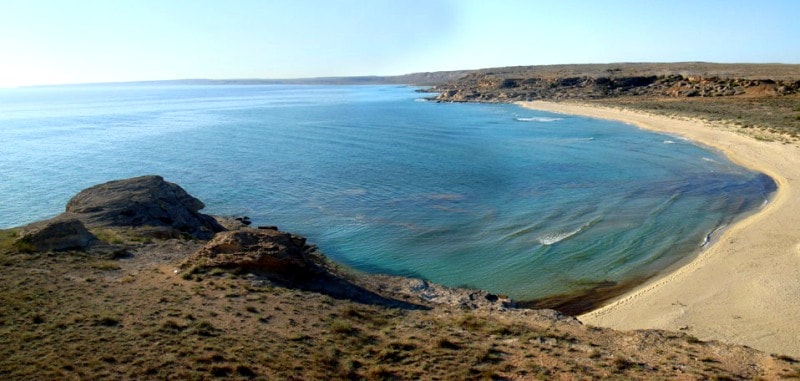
[(266, 252), (144, 202), (274, 257), (423, 292), (55, 235), (509, 87)]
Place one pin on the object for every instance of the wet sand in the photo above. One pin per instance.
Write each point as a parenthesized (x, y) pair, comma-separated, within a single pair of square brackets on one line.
[(745, 288)]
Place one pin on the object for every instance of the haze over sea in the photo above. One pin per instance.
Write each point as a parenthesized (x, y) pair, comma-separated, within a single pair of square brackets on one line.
[(492, 196)]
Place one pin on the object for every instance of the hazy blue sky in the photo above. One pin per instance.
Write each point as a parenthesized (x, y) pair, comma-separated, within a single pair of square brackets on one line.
[(67, 41)]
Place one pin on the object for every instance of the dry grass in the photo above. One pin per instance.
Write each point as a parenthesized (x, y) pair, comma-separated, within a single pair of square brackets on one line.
[(119, 236), (70, 316), (765, 118)]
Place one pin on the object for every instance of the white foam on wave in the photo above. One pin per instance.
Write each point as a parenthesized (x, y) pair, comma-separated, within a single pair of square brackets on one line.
[(548, 239), (669, 142), (709, 159), (708, 236), (552, 238), (542, 119)]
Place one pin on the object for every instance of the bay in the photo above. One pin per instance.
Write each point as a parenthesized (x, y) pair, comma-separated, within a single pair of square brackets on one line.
[(492, 196)]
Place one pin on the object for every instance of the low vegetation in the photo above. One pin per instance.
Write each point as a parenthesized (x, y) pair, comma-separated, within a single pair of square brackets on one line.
[(761, 100), (72, 316), (765, 118)]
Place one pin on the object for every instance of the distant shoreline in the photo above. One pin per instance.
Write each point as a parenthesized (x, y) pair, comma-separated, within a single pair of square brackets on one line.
[(744, 287)]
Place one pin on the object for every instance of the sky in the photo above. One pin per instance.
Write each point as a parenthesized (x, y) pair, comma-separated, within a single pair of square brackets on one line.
[(82, 41)]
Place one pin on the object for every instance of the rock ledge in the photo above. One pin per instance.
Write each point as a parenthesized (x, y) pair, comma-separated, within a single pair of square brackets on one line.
[(146, 201)]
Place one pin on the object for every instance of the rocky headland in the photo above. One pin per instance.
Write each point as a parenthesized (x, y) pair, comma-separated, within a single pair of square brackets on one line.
[(761, 100), (133, 282), (510, 87), (596, 81)]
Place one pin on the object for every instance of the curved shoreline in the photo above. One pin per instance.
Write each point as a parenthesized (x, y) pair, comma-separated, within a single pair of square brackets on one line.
[(745, 287)]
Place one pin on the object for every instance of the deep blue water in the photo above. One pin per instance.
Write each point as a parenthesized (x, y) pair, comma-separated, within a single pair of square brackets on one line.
[(510, 200)]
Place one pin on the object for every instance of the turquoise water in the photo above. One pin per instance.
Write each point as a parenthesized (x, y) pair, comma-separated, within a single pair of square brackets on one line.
[(493, 196)]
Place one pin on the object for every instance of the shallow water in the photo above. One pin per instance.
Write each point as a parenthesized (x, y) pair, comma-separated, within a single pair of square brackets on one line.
[(511, 200)]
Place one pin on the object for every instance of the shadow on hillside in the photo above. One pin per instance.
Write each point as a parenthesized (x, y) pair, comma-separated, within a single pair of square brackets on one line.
[(341, 288)]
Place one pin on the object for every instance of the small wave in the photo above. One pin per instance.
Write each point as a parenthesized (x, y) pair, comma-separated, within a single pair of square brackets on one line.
[(708, 236), (669, 142), (421, 100), (708, 159), (538, 119), (553, 238)]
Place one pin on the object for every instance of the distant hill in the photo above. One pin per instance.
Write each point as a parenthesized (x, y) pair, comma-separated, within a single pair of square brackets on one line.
[(776, 72), (417, 79), (758, 98)]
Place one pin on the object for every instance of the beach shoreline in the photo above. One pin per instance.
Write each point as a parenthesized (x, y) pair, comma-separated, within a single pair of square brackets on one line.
[(744, 287)]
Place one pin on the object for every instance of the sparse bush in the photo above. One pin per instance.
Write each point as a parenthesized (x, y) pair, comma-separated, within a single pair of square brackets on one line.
[(204, 328), (193, 273), (693, 340), (105, 265), (445, 343), (621, 363), (7, 237), (221, 371), (786, 358), (105, 319), (342, 326), (470, 322), (245, 372), (37, 319), (23, 246), (171, 327), (299, 337), (110, 236), (381, 373)]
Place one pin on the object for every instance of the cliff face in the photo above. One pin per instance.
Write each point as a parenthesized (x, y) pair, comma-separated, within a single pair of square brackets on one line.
[(761, 99), (510, 87)]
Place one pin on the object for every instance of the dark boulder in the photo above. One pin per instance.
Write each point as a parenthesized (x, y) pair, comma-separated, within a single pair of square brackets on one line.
[(55, 235), (146, 201)]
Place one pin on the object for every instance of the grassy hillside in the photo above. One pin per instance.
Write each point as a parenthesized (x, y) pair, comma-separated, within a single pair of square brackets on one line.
[(93, 316)]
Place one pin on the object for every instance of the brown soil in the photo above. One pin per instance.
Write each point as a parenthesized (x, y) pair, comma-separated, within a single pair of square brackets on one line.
[(88, 316)]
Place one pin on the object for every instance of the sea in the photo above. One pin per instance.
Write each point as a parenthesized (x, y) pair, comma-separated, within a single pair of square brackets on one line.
[(492, 196)]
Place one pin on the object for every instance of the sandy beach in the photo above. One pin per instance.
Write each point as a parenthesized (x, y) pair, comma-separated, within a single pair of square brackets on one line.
[(745, 288)]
